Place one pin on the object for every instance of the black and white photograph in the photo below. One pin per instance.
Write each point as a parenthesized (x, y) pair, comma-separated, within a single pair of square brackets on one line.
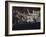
[(24, 18)]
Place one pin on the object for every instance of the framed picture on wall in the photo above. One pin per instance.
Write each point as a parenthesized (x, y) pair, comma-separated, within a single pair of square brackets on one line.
[(24, 18)]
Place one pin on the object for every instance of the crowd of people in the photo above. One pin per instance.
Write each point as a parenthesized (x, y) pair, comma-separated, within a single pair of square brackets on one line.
[(26, 16)]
